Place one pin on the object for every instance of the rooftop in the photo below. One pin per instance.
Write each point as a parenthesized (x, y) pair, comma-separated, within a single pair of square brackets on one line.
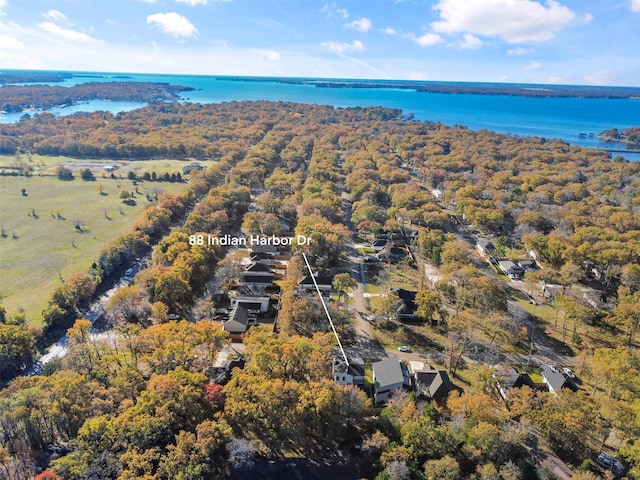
[(388, 372)]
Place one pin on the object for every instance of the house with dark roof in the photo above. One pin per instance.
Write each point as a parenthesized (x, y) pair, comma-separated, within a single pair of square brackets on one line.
[(264, 281), (511, 269), (486, 247), (389, 375), (264, 258), (271, 249), (391, 253), (507, 378), (556, 380), (325, 284), (352, 374), (379, 245), (408, 308), (257, 274), (433, 384), (528, 265), (250, 294), (258, 268)]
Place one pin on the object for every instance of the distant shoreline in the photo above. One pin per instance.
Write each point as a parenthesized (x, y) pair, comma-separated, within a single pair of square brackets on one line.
[(469, 88), (422, 86)]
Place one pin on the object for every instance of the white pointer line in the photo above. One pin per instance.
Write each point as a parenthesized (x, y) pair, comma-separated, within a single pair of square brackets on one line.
[(344, 355)]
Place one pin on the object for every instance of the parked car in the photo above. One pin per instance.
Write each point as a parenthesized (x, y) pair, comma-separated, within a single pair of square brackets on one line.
[(610, 463), (404, 349), (568, 372), (129, 272)]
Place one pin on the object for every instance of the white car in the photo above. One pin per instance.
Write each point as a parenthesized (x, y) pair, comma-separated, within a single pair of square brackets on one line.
[(568, 372), (404, 349)]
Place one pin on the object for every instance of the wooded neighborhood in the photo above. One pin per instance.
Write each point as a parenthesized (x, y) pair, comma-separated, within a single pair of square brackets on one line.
[(489, 330)]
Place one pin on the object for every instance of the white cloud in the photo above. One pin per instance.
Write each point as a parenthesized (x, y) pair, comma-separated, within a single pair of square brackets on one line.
[(428, 40), (532, 65), (516, 21), (192, 3), (635, 6), (337, 47), (331, 10), (470, 42), (65, 33), (9, 43), (389, 31), (602, 77), (518, 51), (271, 55), (362, 24), (173, 24), (3, 3), (55, 15)]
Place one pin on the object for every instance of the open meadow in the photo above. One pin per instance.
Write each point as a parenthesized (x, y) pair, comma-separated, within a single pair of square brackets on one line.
[(51, 228)]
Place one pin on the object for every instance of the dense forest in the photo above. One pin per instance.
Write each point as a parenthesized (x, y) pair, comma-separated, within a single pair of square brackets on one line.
[(18, 98), (147, 402), (32, 77)]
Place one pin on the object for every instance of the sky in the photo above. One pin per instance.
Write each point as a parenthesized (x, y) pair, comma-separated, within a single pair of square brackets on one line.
[(580, 42)]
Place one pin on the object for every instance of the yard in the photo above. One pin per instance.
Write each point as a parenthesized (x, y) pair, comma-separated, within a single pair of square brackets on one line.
[(51, 228), (46, 165)]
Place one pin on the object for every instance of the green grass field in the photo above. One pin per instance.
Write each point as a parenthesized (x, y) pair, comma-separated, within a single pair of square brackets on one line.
[(36, 251)]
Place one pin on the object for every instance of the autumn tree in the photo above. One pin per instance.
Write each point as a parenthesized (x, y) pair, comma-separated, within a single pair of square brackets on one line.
[(386, 305), (429, 304), (445, 468), (17, 348), (197, 456), (327, 240), (128, 305), (343, 283), (627, 314)]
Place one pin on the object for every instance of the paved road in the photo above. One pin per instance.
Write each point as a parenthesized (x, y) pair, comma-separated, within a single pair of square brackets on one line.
[(95, 312)]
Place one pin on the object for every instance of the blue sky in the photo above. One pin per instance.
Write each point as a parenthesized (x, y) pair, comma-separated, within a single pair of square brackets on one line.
[(563, 41)]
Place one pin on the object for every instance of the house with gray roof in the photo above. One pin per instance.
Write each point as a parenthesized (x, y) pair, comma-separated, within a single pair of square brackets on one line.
[(389, 375), (242, 315), (556, 380)]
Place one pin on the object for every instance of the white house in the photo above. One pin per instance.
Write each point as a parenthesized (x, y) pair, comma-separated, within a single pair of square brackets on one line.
[(389, 375), (352, 374)]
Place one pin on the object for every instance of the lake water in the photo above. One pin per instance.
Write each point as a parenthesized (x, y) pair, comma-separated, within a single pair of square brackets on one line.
[(563, 118)]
